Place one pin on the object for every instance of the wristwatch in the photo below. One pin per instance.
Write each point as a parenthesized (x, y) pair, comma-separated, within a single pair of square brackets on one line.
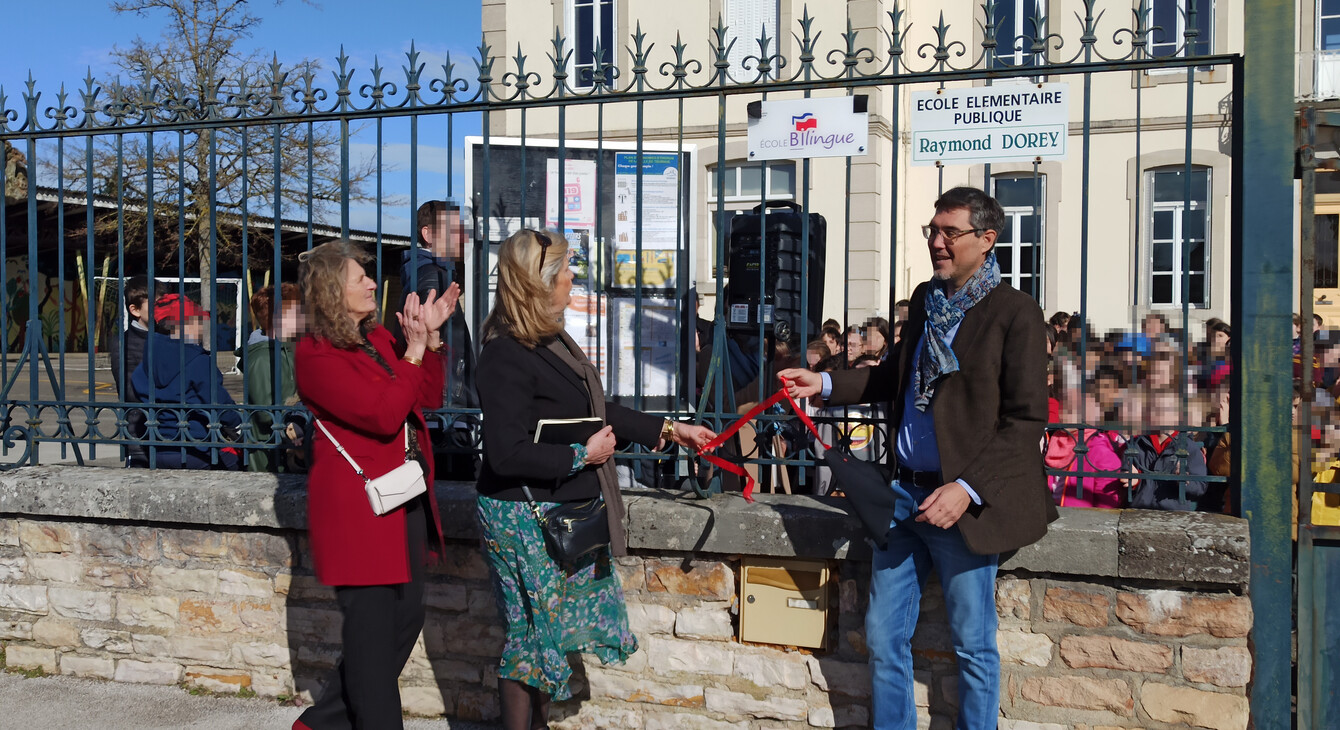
[(668, 430)]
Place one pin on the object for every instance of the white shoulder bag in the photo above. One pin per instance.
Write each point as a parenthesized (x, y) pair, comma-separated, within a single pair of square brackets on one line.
[(392, 489)]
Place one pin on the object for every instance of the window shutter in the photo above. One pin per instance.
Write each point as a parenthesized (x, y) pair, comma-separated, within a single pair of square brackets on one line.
[(745, 19)]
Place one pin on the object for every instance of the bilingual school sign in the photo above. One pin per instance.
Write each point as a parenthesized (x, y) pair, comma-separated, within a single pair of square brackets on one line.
[(789, 129), (990, 124)]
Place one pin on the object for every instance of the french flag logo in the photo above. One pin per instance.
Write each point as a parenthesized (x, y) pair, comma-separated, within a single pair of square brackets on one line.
[(805, 121)]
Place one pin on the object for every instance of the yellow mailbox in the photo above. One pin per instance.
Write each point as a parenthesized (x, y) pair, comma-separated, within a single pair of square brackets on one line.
[(784, 602)]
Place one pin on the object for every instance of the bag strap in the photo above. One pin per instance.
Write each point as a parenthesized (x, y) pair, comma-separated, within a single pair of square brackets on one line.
[(534, 506), (721, 438), (350, 459)]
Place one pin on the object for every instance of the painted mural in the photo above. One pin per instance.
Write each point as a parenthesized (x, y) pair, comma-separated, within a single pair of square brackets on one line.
[(53, 298)]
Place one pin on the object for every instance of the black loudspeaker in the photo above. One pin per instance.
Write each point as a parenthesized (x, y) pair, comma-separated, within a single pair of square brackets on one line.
[(766, 272)]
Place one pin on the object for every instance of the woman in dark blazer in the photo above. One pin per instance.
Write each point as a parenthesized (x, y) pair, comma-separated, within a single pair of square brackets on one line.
[(530, 370), (370, 396)]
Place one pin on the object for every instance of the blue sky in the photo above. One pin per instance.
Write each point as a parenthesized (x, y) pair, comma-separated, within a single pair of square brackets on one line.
[(60, 41)]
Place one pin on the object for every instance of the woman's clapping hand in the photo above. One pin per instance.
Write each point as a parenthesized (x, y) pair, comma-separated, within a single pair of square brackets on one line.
[(438, 309), (412, 323), (421, 320)]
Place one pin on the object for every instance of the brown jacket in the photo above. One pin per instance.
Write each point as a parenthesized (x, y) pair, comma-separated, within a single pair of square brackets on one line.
[(989, 416)]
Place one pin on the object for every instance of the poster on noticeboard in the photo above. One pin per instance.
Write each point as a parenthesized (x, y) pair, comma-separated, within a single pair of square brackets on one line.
[(577, 199), (654, 352), (659, 232)]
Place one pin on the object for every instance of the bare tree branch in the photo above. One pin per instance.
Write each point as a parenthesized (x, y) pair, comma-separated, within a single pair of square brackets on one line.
[(199, 56)]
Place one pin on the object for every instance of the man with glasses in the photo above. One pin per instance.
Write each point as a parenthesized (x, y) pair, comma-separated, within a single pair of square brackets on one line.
[(968, 386)]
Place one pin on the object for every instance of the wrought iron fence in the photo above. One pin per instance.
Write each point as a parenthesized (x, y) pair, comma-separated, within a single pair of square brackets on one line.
[(232, 179)]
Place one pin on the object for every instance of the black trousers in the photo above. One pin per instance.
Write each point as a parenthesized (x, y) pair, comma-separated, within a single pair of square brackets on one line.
[(381, 625)]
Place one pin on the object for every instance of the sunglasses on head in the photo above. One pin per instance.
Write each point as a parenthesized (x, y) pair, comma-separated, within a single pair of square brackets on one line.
[(544, 241)]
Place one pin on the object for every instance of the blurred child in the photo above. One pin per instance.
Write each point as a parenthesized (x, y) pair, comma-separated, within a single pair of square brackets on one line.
[(1053, 402), (125, 351), (1326, 460), (1107, 389), (855, 344), (815, 352), (1219, 446), (1156, 453), (279, 323), (832, 336), (177, 371), (1102, 455), (877, 338)]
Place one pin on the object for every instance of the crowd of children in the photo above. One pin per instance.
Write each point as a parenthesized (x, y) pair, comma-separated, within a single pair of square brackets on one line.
[(1136, 419), (166, 365)]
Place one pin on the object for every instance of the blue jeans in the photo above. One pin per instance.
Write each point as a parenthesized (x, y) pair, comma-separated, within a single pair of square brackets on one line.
[(898, 574)]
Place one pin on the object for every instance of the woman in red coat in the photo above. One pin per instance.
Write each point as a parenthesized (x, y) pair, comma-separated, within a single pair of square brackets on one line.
[(370, 396)]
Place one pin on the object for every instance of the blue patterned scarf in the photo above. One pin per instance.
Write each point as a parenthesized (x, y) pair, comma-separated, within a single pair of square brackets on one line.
[(944, 313)]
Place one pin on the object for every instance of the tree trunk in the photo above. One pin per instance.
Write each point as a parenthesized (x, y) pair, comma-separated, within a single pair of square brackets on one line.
[(206, 272)]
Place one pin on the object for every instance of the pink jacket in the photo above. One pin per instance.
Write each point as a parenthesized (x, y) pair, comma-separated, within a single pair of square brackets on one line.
[(1103, 492)]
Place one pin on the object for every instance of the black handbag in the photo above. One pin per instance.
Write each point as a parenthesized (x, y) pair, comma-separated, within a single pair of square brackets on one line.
[(870, 498), (572, 530)]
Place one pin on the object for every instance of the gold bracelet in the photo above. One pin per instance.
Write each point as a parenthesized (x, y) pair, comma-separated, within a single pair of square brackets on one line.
[(413, 360), (436, 349), (668, 430)]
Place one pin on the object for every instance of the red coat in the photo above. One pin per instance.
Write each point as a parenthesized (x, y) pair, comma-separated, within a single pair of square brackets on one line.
[(364, 408)]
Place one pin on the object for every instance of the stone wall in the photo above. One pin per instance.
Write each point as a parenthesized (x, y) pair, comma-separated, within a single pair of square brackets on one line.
[(1119, 619)]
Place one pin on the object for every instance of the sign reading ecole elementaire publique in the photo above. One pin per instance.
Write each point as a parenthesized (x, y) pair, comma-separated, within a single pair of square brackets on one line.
[(1005, 123), (980, 124)]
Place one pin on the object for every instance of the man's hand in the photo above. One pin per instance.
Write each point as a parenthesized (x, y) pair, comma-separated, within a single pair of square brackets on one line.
[(944, 506), (801, 383)]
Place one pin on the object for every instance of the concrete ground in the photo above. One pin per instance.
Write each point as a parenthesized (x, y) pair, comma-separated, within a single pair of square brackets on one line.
[(66, 703)]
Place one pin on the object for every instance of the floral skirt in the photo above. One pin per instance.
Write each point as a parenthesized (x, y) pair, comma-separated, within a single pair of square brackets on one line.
[(550, 612)]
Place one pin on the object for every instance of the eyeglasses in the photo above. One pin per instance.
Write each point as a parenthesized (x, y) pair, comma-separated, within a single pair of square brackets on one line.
[(545, 242), (950, 234)]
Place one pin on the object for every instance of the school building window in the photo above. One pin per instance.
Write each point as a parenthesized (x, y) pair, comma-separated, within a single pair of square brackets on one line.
[(745, 20), (1177, 232), (1327, 67), (1174, 18), (1019, 246), (592, 24), (744, 185), (1018, 22), (1327, 258)]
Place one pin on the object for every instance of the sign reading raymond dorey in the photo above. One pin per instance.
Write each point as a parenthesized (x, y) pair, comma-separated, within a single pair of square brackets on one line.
[(792, 129), (990, 124)]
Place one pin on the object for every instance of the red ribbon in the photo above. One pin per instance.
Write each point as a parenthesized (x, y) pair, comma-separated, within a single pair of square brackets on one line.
[(747, 417)]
